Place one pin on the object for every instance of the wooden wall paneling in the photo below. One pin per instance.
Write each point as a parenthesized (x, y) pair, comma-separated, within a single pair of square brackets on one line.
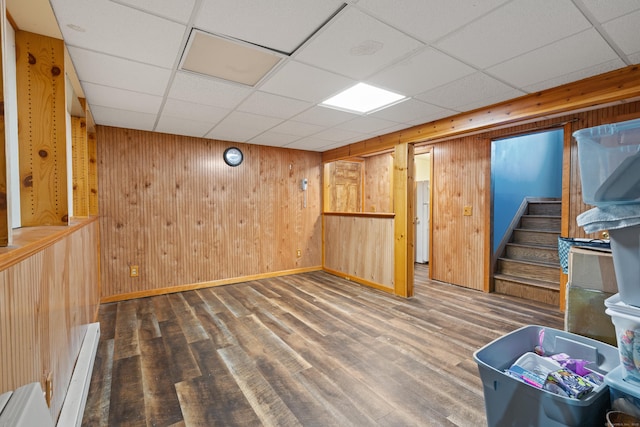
[(46, 302), (378, 176), (460, 169), (41, 134), (5, 221), (80, 167), (92, 153), (170, 205), (404, 222), (361, 248)]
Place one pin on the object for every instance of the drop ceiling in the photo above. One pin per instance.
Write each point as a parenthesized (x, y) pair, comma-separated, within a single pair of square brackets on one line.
[(447, 56)]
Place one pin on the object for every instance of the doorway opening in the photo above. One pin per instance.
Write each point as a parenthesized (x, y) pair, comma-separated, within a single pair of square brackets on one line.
[(423, 205)]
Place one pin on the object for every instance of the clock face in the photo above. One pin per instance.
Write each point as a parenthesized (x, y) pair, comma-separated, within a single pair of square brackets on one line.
[(232, 156)]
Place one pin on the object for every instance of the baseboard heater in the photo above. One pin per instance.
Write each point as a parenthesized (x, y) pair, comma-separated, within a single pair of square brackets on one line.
[(26, 406)]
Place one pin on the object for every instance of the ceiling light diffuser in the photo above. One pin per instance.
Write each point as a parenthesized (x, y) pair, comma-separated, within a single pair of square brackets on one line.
[(363, 98), (227, 58)]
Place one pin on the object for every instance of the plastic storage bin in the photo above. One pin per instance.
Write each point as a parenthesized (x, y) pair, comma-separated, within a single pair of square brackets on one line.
[(625, 247), (626, 320), (625, 395), (609, 157), (510, 402)]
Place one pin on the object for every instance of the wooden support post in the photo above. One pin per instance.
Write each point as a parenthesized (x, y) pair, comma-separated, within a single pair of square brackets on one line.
[(80, 166), (404, 223), (5, 226), (92, 148), (42, 130)]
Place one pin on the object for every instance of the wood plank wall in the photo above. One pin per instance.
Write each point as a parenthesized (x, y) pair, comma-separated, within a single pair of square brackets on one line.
[(461, 174), (360, 247), (46, 302), (171, 206), (378, 183), (461, 169)]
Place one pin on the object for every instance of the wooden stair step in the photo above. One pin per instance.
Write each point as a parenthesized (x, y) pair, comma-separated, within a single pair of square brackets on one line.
[(532, 269), (541, 222), (529, 281), (527, 288), (532, 236), (532, 252), (545, 207)]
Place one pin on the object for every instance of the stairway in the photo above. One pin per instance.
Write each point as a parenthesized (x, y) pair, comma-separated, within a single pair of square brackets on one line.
[(529, 266)]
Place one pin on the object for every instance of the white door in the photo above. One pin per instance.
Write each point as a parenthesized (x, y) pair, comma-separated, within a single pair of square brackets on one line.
[(422, 221)]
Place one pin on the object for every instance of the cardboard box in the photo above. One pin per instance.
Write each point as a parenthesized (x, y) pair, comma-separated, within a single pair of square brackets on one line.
[(592, 269)]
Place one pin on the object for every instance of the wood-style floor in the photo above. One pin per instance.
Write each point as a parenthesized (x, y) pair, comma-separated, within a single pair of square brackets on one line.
[(309, 349)]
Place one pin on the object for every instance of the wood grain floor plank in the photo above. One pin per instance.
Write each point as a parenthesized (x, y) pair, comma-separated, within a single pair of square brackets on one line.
[(214, 398), (188, 321), (148, 327), (98, 398), (266, 403), (309, 349), (180, 362), (162, 406), (126, 332), (127, 390)]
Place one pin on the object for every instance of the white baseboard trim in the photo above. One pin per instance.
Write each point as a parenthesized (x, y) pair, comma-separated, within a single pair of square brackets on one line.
[(74, 403)]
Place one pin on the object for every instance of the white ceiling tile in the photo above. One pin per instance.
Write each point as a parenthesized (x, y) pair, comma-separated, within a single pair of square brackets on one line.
[(356, 45), (108, 70), (281, 25), (614, 64), (566, 56), (312, 144), (304, 82), (273, 139), (410, 110), (635, 58), (420, 72), (299, 129), (192, 111), (179, 11), (340, 135), (367, 124), (181, 126), (604, 10), (624, 32), (475, 89), (517, 27), (241, 127), (267, 104), (123, 118), (207, 91), (121, 99), (428, 20), (323, 116), (120, 31)]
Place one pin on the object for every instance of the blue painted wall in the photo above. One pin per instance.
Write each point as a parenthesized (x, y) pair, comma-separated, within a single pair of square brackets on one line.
[(524, 166)]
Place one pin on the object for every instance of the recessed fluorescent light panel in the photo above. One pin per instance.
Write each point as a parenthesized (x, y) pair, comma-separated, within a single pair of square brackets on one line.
[(227, 58), (363, 98)]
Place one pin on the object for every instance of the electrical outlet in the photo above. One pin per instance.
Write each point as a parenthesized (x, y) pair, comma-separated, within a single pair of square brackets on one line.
[(467, 211), (298, 253), (133, 271)]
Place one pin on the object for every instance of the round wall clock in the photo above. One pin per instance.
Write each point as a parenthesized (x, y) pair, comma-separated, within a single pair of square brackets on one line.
[(233, 156)]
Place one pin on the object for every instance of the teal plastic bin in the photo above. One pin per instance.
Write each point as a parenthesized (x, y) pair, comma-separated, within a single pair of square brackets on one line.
[(510, 402)]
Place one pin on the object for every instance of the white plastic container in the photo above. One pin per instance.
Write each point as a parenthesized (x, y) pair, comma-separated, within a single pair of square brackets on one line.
[(626, 319), (609, 157), (625, 247), (625, 395)]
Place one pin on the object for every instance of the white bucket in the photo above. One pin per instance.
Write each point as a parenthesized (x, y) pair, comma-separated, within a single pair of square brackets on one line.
[(625, 248)]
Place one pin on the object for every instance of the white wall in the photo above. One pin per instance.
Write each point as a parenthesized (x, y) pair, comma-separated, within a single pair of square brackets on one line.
[(11, 124)]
